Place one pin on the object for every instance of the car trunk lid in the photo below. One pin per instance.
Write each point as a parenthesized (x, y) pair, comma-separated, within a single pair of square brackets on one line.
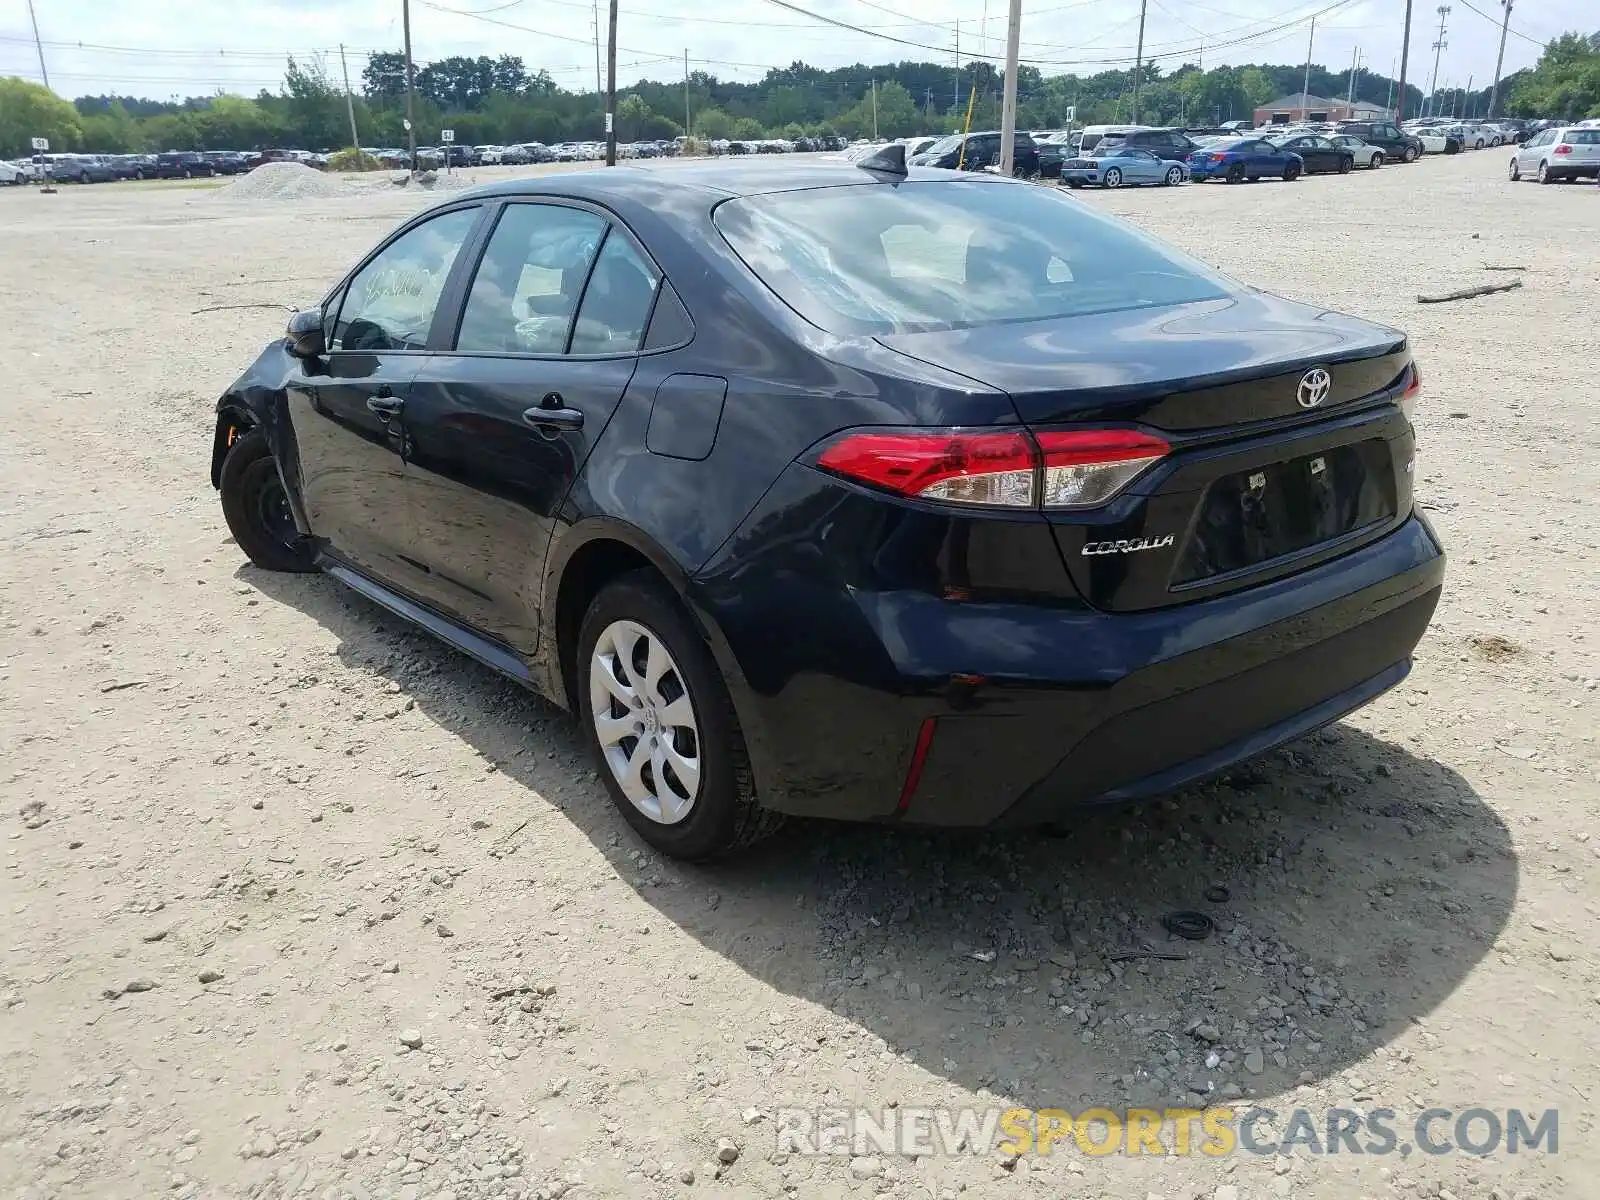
[(1271, 468)]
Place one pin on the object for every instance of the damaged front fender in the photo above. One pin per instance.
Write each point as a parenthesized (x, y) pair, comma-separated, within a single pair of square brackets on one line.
[(258, 399)]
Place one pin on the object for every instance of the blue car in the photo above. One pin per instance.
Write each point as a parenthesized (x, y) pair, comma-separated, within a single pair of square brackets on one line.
[(1240, 159), (1119, 166)]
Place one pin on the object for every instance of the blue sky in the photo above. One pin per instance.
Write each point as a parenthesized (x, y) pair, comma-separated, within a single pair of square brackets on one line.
[(165, 48)]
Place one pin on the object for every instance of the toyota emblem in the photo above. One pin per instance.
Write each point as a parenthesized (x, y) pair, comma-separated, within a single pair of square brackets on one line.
[(1315, 385)]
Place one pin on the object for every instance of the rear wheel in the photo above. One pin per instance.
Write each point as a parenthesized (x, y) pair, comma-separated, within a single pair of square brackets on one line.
[(1113, 177), (1291, 172), (257, 507), (1346, 164), (1409, 154), (1375, 162), (1544, 173), (657, 715), (1235, 174), (1174, 176), (1515, 172)]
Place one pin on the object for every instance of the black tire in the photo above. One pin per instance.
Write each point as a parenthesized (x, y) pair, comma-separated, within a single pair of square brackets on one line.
[(725, 817), (1375, 162), (1074, 183), (1112, 178), (1291, 172), (1347, 164), (1409, 154), (1544, 174), (1235, 174), (188, 174), (1174, 176), (1516, 171), (257, 508), (138, 175)]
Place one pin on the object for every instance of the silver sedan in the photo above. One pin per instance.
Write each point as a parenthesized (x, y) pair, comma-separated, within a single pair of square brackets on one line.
[(1121, 166)]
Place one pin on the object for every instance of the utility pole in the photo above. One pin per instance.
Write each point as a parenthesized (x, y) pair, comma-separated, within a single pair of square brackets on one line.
[(955, 101), (1438, 46), (599, 88), (1008, 101), (1405, 55), (611, 87), (1388, 102), (40, 45), (1305, 88), (349, 101), (411, 85), (1500, 58), (1138, 64), (1466, 99), (1350, 93), (874, 110), (686, 91)]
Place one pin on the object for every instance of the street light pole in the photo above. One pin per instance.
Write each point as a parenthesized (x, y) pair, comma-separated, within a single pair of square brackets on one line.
[(611, 87), (1405, 57), (1500, 58)]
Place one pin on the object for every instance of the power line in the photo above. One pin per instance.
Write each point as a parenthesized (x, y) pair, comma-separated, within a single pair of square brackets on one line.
[(1496, 20)]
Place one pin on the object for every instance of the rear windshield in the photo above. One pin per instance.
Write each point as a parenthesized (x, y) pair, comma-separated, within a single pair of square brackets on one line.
[(1582, 137), (877, 259)]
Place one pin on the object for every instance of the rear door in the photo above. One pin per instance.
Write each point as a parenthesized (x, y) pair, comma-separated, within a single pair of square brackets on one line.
[(347, 409), (501, 421)]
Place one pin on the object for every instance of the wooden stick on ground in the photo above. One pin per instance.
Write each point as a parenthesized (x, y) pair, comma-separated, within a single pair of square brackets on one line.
[(1467, 293)]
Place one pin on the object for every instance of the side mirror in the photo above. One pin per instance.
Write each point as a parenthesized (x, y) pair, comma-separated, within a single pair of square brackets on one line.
[(305, 335)]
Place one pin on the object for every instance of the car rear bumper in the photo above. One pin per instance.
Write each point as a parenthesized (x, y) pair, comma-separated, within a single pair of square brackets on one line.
[(1024, 711)]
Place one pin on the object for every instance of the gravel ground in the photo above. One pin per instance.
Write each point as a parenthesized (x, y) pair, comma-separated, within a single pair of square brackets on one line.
[(299, 903)]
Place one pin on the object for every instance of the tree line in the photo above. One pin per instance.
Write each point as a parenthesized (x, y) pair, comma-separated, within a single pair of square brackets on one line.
[(500, 100)]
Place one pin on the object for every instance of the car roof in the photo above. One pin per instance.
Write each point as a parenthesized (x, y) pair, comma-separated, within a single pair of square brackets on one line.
[(712, 179)]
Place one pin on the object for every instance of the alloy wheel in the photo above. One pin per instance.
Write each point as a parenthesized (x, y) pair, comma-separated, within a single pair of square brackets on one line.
[(645, 721), (1513, 172), (1113, 178), (1174, 177)]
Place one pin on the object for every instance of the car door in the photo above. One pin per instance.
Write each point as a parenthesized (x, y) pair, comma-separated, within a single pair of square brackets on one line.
[(1143, 166), (501, 422), (347, 408)]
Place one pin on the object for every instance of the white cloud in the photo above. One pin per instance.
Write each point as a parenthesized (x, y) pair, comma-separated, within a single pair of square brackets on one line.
[(189, 47)]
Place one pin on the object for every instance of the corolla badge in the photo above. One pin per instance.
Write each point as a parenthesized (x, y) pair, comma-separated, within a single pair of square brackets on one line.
[(1315, 385), (1129, 545)]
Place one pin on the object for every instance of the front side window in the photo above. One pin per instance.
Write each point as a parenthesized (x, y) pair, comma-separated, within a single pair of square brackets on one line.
[(390, 303), (528, 285), (876, 260)]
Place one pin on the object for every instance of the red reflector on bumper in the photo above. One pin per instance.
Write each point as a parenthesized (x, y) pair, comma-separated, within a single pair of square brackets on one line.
[(919, 755)]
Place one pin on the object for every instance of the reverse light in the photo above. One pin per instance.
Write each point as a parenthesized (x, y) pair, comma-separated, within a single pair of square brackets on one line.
[(1086, 467), (1077, 468)]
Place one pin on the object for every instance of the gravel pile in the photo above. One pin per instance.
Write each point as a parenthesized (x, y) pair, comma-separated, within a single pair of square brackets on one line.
[(282, 181)]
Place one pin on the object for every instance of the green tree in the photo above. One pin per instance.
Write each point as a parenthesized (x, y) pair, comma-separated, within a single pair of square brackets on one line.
[(713, 123), (748, 129), (29, 110), (1564, 83)]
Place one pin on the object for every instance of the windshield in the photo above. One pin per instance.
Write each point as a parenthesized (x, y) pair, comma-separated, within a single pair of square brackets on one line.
[(874, 259), (945, 144)]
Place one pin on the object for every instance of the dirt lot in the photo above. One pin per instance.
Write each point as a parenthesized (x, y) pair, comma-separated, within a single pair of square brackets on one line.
[(299, 903)]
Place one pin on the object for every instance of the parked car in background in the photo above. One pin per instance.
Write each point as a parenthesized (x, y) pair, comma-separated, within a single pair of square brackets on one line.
[(1166, 144), (1319, 154), (70, 168), (1396, 144), (1565, 152), (978, 151), (1080, 519), (1435, 139), (1363, 155), (182, 164), (12, 174), (226, 162), (1244, 159), (1116, 164)]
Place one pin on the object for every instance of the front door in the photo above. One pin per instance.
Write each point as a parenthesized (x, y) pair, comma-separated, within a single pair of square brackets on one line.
[(347, 409), (500, 425)]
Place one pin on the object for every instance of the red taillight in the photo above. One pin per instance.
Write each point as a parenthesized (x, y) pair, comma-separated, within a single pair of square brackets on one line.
[(1085, 467), (1060, 469), (1563, 149), (966, 467), (1408, 398)]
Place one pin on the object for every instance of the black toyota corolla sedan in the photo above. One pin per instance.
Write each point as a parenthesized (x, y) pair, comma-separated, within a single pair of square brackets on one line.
[(834, 490)]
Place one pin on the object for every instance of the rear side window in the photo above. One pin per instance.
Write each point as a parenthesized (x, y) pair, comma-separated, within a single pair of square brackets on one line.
[(616, 304), (872, 260), (390, 303), (530, 280)]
